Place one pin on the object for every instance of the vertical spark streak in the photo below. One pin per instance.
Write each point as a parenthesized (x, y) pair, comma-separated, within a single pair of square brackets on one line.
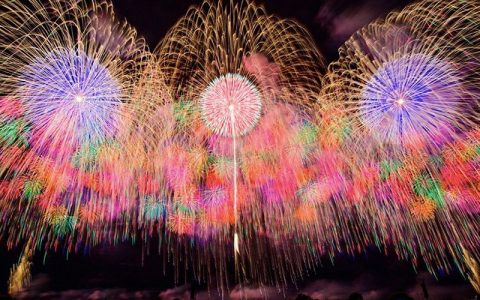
[(235, 212)]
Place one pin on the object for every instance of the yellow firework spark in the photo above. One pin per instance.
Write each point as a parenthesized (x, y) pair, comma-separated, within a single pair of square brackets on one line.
[(213, 40), (20, 274)]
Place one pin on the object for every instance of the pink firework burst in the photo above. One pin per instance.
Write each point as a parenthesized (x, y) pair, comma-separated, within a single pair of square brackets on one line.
[(231, 105)]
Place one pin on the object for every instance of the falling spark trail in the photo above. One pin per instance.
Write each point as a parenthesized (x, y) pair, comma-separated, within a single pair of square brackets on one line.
[(235, 208)]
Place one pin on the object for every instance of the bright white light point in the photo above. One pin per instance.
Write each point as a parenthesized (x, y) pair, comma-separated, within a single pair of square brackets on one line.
[(236, 243), (400, 101), (80, 98)]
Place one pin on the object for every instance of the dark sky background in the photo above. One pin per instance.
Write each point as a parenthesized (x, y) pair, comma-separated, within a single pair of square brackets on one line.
[(118, 272), (330, 22)]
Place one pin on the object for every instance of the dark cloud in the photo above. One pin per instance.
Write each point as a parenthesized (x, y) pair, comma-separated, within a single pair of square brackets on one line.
[(247, 292), (373, 288), (181, 292), (441, 288), (339, 19)]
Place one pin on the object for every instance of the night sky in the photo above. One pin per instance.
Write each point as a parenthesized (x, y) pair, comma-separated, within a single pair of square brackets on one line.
[(121, 271), (330, 22)]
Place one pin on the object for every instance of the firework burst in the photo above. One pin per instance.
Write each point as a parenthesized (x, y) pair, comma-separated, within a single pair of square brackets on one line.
[(69, 103), (404, 91), (401, 80), (227, 97), (235, 125)]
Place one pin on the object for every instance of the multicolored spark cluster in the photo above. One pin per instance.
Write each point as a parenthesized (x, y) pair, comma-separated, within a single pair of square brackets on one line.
[(232, 141)]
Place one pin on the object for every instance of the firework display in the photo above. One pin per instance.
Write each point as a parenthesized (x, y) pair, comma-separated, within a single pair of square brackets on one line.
[(233, 142), (409, 92), (238, 142), (67, 99)]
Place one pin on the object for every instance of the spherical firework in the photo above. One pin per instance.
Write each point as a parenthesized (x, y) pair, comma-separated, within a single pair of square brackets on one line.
[(70, 88), (63, 128), (423, 209), (404, 80), (231, 105), (68, 77), (404, 90), (410, 95)]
